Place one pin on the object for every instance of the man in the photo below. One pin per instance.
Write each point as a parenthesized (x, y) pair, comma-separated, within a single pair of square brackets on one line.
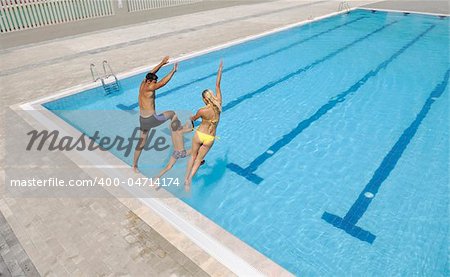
[(148, 118)]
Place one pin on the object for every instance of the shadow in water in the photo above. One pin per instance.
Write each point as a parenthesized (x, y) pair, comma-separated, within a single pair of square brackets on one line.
[(213, 173)]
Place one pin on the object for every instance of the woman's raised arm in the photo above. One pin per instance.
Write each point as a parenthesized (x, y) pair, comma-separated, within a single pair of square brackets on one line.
[(219, 78)]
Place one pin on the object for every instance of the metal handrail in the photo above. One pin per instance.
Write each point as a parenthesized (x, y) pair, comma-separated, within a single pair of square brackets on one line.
[(92, 67), (107, 72), (106, 65), (111, 73), (344, 6)]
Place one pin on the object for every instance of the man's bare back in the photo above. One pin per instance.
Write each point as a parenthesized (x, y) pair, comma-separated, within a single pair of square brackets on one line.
[(146, 100)]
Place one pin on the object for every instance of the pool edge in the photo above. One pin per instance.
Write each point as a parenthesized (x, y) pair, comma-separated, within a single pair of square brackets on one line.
[(141, 207), (254, 263), (402, 11)]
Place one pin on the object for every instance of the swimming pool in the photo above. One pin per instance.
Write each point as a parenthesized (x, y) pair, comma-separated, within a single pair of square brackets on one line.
[(333, 156)]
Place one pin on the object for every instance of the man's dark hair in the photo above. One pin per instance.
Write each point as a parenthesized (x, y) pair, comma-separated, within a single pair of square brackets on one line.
[(151, 76)]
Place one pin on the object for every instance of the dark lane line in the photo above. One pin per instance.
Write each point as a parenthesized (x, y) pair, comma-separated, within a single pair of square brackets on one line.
[(303, 69), (248, 172), (165, 93), (354, 214)]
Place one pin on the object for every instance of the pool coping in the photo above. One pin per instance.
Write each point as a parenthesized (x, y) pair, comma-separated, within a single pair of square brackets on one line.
[(402, 11), (238, 264), (165, 213), (189, 236)]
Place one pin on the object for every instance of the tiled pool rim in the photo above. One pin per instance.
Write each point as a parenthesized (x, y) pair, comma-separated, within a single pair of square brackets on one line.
[(221, 247)]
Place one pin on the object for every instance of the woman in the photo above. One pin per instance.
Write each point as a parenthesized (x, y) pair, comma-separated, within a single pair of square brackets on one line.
[(205, 134)]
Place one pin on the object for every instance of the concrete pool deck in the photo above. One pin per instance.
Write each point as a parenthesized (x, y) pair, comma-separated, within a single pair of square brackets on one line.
[(121, 18), (57, 244)]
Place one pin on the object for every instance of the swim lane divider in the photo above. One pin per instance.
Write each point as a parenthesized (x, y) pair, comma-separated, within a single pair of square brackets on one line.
[(226, 69), (367, 195), (248, 172)]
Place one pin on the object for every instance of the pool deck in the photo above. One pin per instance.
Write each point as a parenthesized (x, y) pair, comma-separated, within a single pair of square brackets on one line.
[(121, 18), (437, 7), (125, 238)]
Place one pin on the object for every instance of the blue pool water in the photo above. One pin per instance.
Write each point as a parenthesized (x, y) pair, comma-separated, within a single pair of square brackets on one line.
[(333, 150)]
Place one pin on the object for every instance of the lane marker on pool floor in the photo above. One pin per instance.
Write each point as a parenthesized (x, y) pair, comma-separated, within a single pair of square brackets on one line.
[(248, 172), (287, 47), (357, 210)]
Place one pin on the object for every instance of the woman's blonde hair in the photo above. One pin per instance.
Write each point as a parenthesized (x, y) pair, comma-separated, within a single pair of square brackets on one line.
[(208, 95)]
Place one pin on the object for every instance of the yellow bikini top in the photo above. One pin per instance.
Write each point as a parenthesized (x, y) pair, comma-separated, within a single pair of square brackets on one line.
[(212, 121)]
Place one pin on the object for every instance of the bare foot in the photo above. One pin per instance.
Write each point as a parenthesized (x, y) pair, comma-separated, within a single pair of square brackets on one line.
[(157, 186), (187, 184), (136, 170)]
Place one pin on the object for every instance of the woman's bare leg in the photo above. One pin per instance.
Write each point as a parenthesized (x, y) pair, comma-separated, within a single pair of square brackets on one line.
[(194, 150), (204, 149)]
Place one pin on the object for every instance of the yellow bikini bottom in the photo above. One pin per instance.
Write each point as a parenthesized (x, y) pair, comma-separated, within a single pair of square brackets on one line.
[(205, 138)]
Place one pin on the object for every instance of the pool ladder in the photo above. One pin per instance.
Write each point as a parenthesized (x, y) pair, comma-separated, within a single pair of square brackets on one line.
[(110, 83), (344, 6)]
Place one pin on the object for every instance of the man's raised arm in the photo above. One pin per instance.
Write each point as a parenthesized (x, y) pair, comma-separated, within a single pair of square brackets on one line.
[(164, 61), (167, 78)]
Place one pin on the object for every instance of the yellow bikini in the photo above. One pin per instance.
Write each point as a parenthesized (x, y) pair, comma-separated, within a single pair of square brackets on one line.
[(206, 138)]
